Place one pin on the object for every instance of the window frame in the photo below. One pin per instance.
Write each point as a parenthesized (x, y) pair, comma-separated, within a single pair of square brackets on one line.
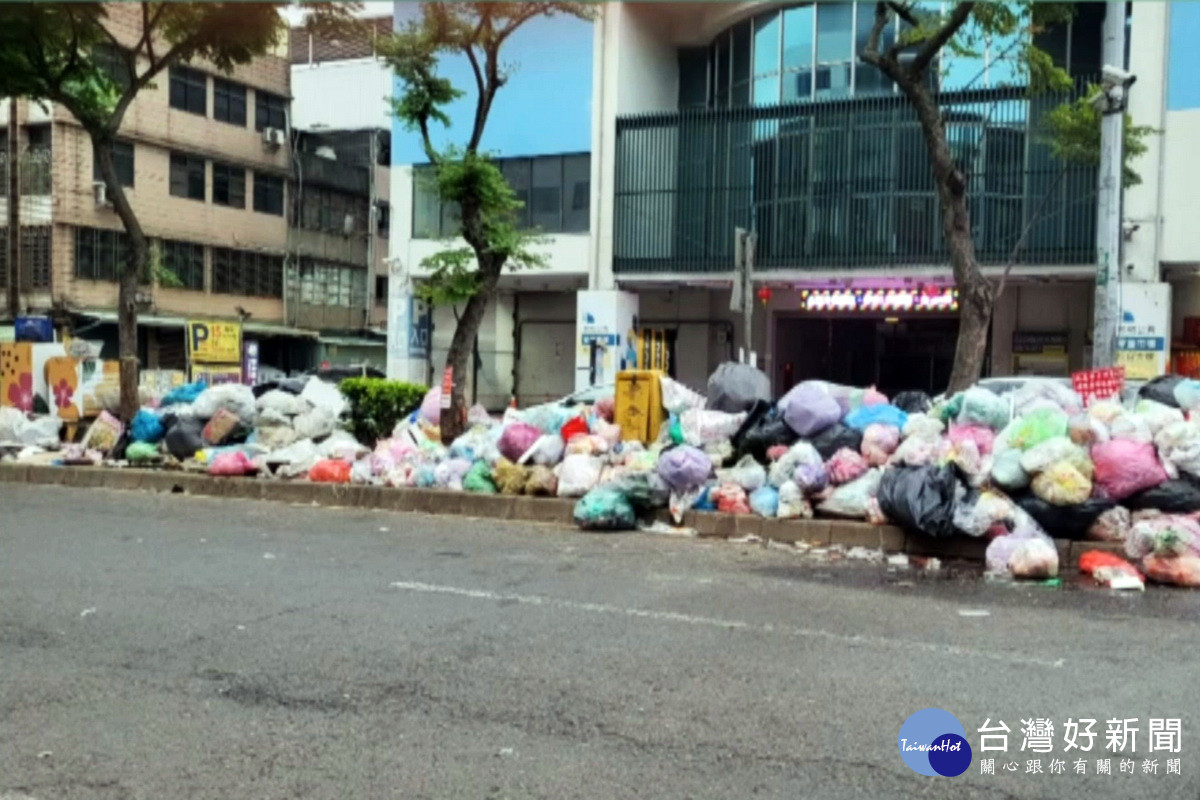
[(232, 176), (183, 89), (270, 108), (190, 273), (124, 160), (188, 163), (262, 200), (234, 101)]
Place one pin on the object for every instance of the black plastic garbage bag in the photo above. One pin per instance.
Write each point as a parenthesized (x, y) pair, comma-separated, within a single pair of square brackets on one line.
[(1063, 522), (644, 491), (123, 441), (1170, 497), (734, 388), (834, 438), (769, 430), (920, 499), (183, 438), (1161, 390), (912, 402)]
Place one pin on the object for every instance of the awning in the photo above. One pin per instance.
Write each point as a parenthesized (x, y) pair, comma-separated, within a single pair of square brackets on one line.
[(154, 321), (352, 341)]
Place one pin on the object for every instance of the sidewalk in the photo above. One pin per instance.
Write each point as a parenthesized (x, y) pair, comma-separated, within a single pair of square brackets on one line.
[(817, 532)]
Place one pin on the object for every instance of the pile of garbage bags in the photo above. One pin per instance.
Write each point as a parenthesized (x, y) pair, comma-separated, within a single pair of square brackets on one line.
[(1015, 470)]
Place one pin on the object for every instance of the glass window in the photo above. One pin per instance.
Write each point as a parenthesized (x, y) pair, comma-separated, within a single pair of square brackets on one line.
[(186, 262), (797, 86), (741, 51), (122, 160), (766, 45), (187, 177), (189, 90), (547, 194), (112, 63), (833, 80), (99, 254), (863, 27), (270, 111), (835, 26), (268, 194), (766, 90), (229, 185), (426, 205), (798, 38), (229, 102), (721, 75), (517, 172), (577, 184)]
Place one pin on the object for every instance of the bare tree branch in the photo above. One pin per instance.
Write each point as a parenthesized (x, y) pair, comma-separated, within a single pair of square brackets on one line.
[(905, 13)]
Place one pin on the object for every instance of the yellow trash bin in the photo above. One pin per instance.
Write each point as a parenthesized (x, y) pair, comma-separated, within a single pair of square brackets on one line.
[(639, 409)]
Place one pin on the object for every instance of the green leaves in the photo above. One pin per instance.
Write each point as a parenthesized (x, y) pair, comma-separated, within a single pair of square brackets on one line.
[(1073, 132), (376, 405)]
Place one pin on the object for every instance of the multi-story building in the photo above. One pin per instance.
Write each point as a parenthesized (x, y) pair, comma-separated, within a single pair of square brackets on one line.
[(341, 217), (708, 117), (206, 162)]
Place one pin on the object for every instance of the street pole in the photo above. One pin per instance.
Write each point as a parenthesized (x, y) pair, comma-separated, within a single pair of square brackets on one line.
[(748, 297), (1108, 196), (14, 212)]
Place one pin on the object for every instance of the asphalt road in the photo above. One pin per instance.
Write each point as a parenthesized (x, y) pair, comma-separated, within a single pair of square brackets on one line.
[(177, 647)]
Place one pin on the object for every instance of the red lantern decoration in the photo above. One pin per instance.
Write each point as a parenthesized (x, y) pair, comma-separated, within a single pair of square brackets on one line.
[(764, 294)]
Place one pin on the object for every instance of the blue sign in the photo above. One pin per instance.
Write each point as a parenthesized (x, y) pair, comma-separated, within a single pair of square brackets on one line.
[(419, 328), (1151, 344)]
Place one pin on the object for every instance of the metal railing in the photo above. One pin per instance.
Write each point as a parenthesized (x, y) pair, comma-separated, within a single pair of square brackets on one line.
[(844, 184)]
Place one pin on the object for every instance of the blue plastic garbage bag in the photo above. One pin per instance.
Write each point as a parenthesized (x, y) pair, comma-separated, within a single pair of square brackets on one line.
[(884, 414), (184, 394), (146, 427), (765, 501)]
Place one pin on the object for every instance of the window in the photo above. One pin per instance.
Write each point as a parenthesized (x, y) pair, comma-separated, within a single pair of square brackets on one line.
[(517, 172), (241, 272), (332, 285), (229, 185), (229, 102), (35, 257), (426, 204), (186, 261), (270, 111), (187, 176), (381, 290), (268, 194), (112, 62), (100, 254), (122, 160), (577, 193), (383, 221), (189, 90), (546, 198)]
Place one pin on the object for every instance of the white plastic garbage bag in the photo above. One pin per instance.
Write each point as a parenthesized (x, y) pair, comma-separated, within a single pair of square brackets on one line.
[(281, 402), (233, 397), (578, 474), (315, 423), (324, 395)]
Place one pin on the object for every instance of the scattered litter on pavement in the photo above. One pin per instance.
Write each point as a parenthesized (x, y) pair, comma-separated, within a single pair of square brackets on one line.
[(663, 529), (747, 539), (974, 612), (87, 612), (269, 556), (898, 560)]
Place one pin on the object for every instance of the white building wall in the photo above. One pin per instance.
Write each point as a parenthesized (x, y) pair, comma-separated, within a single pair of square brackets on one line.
[(341, 94), (1181, 190)]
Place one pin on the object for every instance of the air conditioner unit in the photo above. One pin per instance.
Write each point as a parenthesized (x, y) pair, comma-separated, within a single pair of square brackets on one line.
[(272, 137), (100, 193), (348, 225)]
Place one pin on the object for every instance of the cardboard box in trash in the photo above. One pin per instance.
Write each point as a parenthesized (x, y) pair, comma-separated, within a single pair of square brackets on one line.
[(639, 409), (23, 374)]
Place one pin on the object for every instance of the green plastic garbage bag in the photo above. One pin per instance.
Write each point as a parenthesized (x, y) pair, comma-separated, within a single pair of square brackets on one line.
[(141, 451), (1036, 427), (605, 509), (479, 479)]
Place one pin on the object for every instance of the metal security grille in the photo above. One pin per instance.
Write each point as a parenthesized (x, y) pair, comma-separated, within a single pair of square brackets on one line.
[(843, 184), (35, 257)]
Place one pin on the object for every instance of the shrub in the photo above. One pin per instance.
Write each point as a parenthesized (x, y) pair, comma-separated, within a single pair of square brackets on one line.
[(377, 404)]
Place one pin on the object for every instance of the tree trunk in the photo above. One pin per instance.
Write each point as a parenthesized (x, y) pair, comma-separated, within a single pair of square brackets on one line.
[(135, 266), (462, 347), (976, 295)]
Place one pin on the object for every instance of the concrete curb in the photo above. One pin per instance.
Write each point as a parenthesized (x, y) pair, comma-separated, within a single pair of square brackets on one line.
[(552, 510)]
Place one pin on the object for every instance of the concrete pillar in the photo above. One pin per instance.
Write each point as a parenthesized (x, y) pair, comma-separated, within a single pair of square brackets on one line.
[(1148, 54), (605, 318)]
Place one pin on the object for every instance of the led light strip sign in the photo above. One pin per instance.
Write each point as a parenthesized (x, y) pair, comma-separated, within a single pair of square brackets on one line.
[(877, 300)]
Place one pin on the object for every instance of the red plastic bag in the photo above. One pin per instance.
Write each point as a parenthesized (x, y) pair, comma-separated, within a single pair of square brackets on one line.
[(1093, 560), (1125, 467), (731, 499), (330, 470), (574, 427)]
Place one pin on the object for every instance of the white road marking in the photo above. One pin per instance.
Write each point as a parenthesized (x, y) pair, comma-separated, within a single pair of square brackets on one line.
[(728, 624)]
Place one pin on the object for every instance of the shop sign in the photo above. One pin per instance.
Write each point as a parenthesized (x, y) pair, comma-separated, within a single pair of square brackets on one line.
[(447, 387), (1142, 333), (213, 342), (880, 300), (215, 374)]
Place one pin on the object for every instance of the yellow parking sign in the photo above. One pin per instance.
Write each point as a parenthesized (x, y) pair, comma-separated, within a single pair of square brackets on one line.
[(214, 342)]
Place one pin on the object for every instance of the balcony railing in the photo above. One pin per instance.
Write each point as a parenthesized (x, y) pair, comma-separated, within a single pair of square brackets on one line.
[(844, 184)]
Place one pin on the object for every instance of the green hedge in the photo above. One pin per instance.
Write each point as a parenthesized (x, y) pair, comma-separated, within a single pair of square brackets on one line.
[(377, 404)]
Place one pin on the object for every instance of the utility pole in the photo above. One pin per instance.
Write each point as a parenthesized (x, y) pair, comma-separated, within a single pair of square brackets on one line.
[(741, 299), (14, 212), (1112, 104)]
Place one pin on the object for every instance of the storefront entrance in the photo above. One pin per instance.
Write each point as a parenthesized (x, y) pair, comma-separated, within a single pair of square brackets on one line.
[(893, 356)]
